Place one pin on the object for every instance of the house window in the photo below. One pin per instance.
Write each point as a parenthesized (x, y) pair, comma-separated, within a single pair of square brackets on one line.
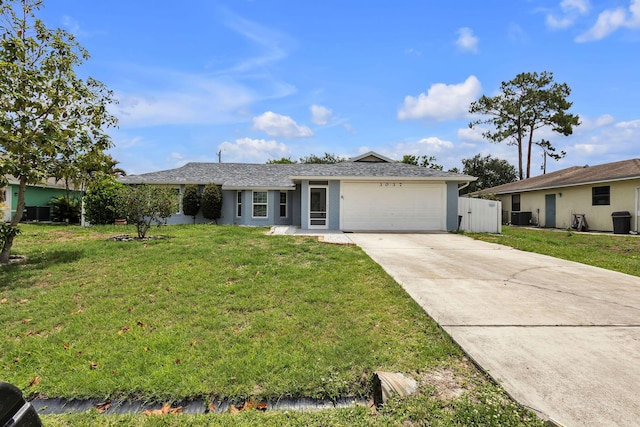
[(600, 196), (259, 204), (239, 204), (515, 203), (283, 204)]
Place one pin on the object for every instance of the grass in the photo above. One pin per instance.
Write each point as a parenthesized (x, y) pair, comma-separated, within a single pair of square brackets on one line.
[(613, 252), (223, 312)]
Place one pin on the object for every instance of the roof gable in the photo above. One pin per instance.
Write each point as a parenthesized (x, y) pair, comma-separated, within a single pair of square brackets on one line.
[(371, 157)]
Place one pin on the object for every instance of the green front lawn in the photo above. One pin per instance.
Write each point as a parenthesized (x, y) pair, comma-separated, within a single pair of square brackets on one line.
[(221, 312), (613, 252)]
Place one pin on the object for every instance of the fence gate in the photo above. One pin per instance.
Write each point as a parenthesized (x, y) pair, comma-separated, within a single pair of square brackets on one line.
[(479, 215)]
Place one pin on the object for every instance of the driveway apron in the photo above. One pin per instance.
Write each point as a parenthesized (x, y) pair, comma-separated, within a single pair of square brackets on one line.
[(562, 338)]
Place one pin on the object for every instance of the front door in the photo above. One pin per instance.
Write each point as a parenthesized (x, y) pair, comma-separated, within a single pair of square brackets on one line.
[(317, 207), (550, 210)]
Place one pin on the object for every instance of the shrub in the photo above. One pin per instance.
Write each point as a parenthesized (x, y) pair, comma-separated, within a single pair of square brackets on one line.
[(212, 202), (65, 209), (142, 205), (191, 201), (100, 201)]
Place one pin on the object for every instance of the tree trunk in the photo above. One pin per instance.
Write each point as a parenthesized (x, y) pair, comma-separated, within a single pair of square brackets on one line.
[(8, 243), (6, 250), (520, 154), (529, 152)]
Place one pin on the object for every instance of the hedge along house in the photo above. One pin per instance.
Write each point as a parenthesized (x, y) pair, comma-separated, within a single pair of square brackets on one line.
[(366, 193), (553, 199)]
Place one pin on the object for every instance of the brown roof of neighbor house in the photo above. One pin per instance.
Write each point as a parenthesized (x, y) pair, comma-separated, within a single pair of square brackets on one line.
[(576, 175)]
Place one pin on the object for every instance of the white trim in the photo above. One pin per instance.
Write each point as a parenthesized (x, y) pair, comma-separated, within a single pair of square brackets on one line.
[(286, 204), (239, 203), (326, 219), (437, 179), (254, 204), (637, 208)]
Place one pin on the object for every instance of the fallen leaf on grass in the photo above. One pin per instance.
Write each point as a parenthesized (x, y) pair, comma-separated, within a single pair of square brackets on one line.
[(78, 311), (66, 346), (25, 321), (102, 406), (123, 330), (22, 301), (166, 409), (139, 323), (34, 381), (93, 365), (194, 342), (248, 405), (212, 407), (3, 300)]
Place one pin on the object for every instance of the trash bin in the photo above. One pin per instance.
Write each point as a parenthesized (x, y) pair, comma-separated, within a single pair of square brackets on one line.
[(621, 222), (14, 410)]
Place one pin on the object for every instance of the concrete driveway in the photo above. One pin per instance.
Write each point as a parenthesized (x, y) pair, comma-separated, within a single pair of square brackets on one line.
[(561, 337)]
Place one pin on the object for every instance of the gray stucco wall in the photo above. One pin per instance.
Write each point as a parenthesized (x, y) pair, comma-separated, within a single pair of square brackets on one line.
[(333, 205)]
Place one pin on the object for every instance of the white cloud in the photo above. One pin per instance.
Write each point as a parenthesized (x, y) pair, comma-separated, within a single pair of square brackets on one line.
[(280, 126), (434, 145), (248, 150), (571, 10), (320, 115), (587, 124), (471, 134), (516, 34), (610, 20), (159, 96), (442, 101), (466, 41), (349, 128)]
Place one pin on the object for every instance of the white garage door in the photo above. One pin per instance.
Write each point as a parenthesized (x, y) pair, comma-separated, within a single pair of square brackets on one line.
[(388, 206)]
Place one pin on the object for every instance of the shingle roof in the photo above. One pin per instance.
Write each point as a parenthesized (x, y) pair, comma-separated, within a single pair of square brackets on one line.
[(247, 175), (576, 175)]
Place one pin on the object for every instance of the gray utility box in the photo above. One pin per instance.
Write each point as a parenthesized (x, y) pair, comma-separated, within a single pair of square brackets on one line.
[(520, 218)]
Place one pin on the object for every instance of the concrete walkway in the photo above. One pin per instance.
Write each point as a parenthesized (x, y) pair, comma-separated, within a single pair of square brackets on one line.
[(562, 338)]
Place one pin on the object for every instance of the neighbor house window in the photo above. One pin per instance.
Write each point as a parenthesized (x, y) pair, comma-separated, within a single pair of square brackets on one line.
[(600, 196), (239, 204), (515, 203), (283, 204), (259, 204)]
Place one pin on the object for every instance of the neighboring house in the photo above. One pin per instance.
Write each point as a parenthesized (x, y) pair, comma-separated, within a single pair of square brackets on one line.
[(37, 199), (552, 200), (369, 192)]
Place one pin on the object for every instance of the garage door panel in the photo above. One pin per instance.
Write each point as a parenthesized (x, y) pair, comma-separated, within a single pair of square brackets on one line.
[(392, 206)]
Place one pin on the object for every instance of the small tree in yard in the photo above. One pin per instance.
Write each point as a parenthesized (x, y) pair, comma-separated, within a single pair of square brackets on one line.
[(212, 202), (143, 205), (191, 201), (100, 201), (47, 113)]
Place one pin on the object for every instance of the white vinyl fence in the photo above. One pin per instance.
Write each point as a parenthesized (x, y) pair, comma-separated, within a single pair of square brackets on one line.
[(479, 215)]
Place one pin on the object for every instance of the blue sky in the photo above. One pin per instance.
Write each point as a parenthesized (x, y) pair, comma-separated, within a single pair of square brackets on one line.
[(265, 79)]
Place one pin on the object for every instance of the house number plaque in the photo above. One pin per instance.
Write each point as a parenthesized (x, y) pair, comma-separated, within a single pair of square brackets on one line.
[(390, 184)]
